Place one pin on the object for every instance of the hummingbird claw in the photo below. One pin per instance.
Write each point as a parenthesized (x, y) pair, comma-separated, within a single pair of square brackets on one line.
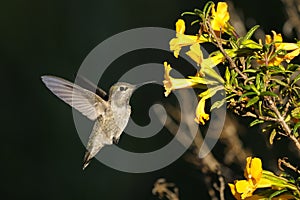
[(115, 140)]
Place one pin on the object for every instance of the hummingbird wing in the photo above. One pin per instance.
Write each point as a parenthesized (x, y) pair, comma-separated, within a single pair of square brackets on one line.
[(85, 101), (87, 84)]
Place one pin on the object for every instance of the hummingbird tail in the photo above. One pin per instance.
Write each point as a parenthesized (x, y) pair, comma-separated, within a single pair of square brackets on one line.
[(86, 160)]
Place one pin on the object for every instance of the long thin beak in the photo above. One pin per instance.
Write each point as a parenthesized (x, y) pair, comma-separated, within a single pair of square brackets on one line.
[(144, 83)]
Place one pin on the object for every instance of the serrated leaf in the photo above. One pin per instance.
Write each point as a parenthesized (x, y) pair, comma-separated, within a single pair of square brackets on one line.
[(252, 101), (218, 104), (256, 121), (272, 136)]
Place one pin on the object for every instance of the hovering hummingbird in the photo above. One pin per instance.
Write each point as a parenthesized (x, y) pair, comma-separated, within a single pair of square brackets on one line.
[(110, 112)]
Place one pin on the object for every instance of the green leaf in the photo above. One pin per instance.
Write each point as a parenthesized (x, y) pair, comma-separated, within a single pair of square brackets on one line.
[(246, 87), (230, 96), (233, 74), (260, 107), (272, 136), (218, 104), (252, 101), (233, 43), (202, 80), (268, 93), (246, 95), (280, 82), (227, 75), (209, 71), (211, 91), (254, 89), (250, 44), (296, 113), (251, 32), (295, 130), (296, 79), (278, 192), (256, 121), (257, 81), (249, 71)]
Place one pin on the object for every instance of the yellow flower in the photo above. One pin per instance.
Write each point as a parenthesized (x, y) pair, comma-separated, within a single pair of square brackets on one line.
[(182, 40), (275, 57), (242, 189), (171, 83), (200, 112), (220, 17)]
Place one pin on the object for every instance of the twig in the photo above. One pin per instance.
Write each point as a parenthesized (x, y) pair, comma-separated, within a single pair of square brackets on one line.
[(282, 161), (228, 58), (165, 189), (265, 118), (220, 188), (283, 124)]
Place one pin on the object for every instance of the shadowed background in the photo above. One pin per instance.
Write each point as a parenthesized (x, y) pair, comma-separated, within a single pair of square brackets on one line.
[(41, 153)]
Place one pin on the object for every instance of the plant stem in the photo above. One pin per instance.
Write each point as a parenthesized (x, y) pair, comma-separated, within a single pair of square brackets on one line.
[(283, 124), (231, 62)]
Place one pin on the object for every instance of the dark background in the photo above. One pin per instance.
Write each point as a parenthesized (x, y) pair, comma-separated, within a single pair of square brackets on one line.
[(41, 153)]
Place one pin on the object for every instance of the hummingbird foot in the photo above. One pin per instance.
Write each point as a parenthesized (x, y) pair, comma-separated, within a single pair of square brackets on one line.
[(115, 140)]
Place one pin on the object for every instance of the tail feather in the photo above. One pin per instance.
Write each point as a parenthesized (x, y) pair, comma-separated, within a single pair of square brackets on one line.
[(92, 150), (86, 160)]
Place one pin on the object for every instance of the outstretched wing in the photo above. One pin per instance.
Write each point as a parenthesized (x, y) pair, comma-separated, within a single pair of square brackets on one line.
[(85, 101), (87, 84)]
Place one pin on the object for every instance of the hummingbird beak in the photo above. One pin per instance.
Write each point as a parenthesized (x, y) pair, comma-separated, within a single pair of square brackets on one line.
[(144, 83)]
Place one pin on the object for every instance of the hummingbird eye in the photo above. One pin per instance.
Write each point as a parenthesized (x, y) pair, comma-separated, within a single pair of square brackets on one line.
[(123, 88)]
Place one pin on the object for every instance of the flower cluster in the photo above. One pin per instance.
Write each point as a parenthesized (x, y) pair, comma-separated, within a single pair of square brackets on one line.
[(257, 178), (206, 74), (258, 81)]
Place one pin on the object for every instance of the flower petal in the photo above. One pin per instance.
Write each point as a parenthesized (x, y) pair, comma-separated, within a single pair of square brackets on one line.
[(220, 17), (244, 188), (253, 170), (180, 26), (200, 112), (195, 53), (171, 83)]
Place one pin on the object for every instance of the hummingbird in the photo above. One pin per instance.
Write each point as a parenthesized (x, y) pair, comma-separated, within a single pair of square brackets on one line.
[(110, 112)]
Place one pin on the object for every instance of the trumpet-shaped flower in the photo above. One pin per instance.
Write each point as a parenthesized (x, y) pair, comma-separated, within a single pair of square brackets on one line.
[(220, 17), (171, 83), (282, 51), (182, 40), (200, 112), (242, 189)]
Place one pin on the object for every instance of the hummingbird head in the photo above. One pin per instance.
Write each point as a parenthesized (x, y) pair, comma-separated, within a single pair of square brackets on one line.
[(121, 92)]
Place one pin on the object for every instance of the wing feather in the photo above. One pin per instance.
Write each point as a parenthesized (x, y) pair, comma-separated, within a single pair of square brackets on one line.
[(85, 101)]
